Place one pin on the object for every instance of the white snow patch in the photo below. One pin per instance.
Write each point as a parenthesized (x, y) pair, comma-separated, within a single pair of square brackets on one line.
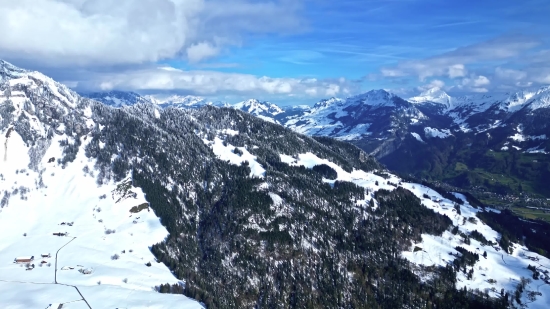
[(226, 153), (432, 132), (417, 136)]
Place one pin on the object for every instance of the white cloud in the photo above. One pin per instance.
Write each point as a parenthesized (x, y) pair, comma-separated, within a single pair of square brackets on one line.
[(433, 84), (453, 64), (200, 51), (107, 32), (211, 83), (332, 90), (457, 70), (475, 83), (509, 74)]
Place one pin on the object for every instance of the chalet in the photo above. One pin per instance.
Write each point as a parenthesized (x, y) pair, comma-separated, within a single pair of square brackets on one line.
[(24, 259), (60, 234), (46, 255)]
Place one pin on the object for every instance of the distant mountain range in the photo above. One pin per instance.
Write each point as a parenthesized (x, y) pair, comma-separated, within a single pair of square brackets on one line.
[(465, 140)]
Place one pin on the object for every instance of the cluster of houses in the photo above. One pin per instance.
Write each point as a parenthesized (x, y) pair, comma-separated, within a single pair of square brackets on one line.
[(27, 260)]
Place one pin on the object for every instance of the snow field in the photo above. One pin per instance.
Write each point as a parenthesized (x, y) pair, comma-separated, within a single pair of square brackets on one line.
[(101, 228), (226, 153)]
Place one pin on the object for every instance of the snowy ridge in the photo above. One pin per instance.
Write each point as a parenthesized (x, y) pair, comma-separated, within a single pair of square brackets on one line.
[(264, 110), (101, 236), (498, 270), (85, 236), (331, 117), (118, 98)]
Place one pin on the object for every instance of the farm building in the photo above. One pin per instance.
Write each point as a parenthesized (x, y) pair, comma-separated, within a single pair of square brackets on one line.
[(24, 259), (46, 255)]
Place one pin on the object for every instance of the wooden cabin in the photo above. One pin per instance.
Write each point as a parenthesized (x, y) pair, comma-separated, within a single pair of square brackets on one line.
[(24, 259)]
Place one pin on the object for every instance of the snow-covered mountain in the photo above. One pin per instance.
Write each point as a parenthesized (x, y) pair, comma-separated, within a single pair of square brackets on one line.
[(117, 98), (50, 185), (187, 101), (373, 119), (264, 110), (110, 203)]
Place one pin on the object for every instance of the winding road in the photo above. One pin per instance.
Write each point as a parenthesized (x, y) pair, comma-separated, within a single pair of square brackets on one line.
[(55, 278)]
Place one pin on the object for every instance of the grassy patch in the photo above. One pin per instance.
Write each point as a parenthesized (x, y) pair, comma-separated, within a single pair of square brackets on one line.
[(533, 214), (139, 208)]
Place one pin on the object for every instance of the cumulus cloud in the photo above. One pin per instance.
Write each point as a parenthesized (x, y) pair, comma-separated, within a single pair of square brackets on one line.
[(211, 83), (106, 32), (200, 51), (436, 83), (475, 83), (457, 70)]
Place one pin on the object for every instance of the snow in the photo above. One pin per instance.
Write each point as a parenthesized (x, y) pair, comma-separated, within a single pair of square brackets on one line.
[(230, 132), (226, 153), (432, 133), (417, 136), (70, 195), (518, 137), (330, 117), (434, 95), (506, 269), (536, 150)]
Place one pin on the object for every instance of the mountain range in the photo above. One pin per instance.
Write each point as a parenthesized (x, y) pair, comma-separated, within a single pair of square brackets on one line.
[(112, 207), (488, 142)]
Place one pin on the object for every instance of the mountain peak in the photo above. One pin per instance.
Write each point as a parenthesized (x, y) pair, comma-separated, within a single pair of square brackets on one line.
[(7, 67), (378, 97), (434, 95), (256, 107)]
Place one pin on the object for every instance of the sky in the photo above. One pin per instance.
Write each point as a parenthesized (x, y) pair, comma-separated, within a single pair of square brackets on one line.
[(284, 51)]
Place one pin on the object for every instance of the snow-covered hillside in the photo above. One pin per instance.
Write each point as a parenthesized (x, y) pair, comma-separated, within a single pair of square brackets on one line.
[(87, 244), (354, 117), (496, 270)]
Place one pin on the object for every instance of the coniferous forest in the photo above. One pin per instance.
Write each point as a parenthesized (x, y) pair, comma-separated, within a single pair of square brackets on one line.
[(236, 248)]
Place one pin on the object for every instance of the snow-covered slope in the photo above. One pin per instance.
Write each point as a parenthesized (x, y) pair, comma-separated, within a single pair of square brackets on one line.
[(100, 257), (496, 270), (355, 117), (464, 106)]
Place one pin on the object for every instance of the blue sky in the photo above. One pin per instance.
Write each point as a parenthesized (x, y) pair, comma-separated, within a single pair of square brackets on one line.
[(289, 52)]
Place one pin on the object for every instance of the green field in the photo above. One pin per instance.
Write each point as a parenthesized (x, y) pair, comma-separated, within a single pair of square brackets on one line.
[(528, 213)]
